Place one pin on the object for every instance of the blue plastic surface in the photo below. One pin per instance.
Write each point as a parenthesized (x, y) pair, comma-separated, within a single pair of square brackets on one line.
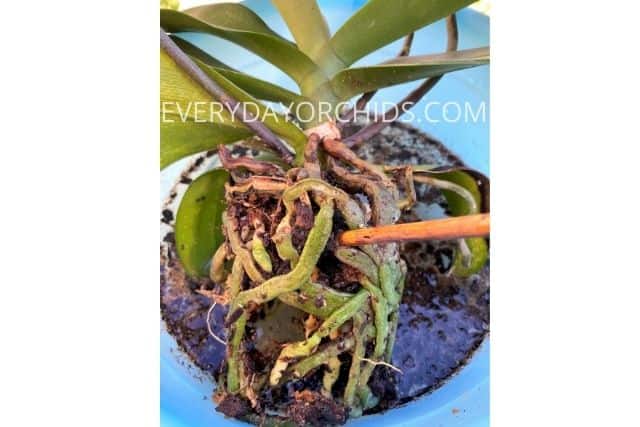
[(464, 400)]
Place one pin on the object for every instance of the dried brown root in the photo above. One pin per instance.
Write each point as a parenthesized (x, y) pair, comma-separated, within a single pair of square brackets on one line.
[(252, 165)]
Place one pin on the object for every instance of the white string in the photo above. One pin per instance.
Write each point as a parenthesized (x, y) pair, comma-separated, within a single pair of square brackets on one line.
[(388, 365), (217, 338)]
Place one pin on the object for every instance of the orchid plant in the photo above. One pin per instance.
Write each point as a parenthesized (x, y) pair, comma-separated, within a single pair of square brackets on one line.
[(259, 226)]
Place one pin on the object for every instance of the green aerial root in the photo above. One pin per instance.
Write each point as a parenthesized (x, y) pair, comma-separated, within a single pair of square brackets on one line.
[(360, 261), (356, 361), (390, 275), (328, 351), (239, 250), (234, 357), (381, 315), (316, 299), (316, 241), (217, 272), (234, 349), (322, 191), (321, 357), (330, 375), (304, 348), (260, 254), (284, 245)]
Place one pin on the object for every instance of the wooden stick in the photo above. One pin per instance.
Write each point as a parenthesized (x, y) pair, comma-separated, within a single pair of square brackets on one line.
[(436, 229)]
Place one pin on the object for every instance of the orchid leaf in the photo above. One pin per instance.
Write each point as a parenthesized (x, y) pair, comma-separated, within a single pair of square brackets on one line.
[(180, 138), (188, 122), (479, 251), (306, 23), (240, 25), (310, 30), (194, 51), (257, 88), (380, 22), (169, 4), (192, 121), (278, 123), (455, 203), (357, 80), (477, 185), (261, 89), (181, 96), (199, 222), (477, 246), (475, 182)]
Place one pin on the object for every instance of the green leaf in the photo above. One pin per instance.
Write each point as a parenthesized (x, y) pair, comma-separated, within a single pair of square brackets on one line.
[(351, 82), (194, 51), (478, 185), (188, 123), (310, 30), (240, 25), (180, 95), (472, 180), (456, 204), (306, 23), (276, 122), (257, 88), (179, 139), (479, 254), (380, 22), (262, 89), (199, 222), (169, 4)]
